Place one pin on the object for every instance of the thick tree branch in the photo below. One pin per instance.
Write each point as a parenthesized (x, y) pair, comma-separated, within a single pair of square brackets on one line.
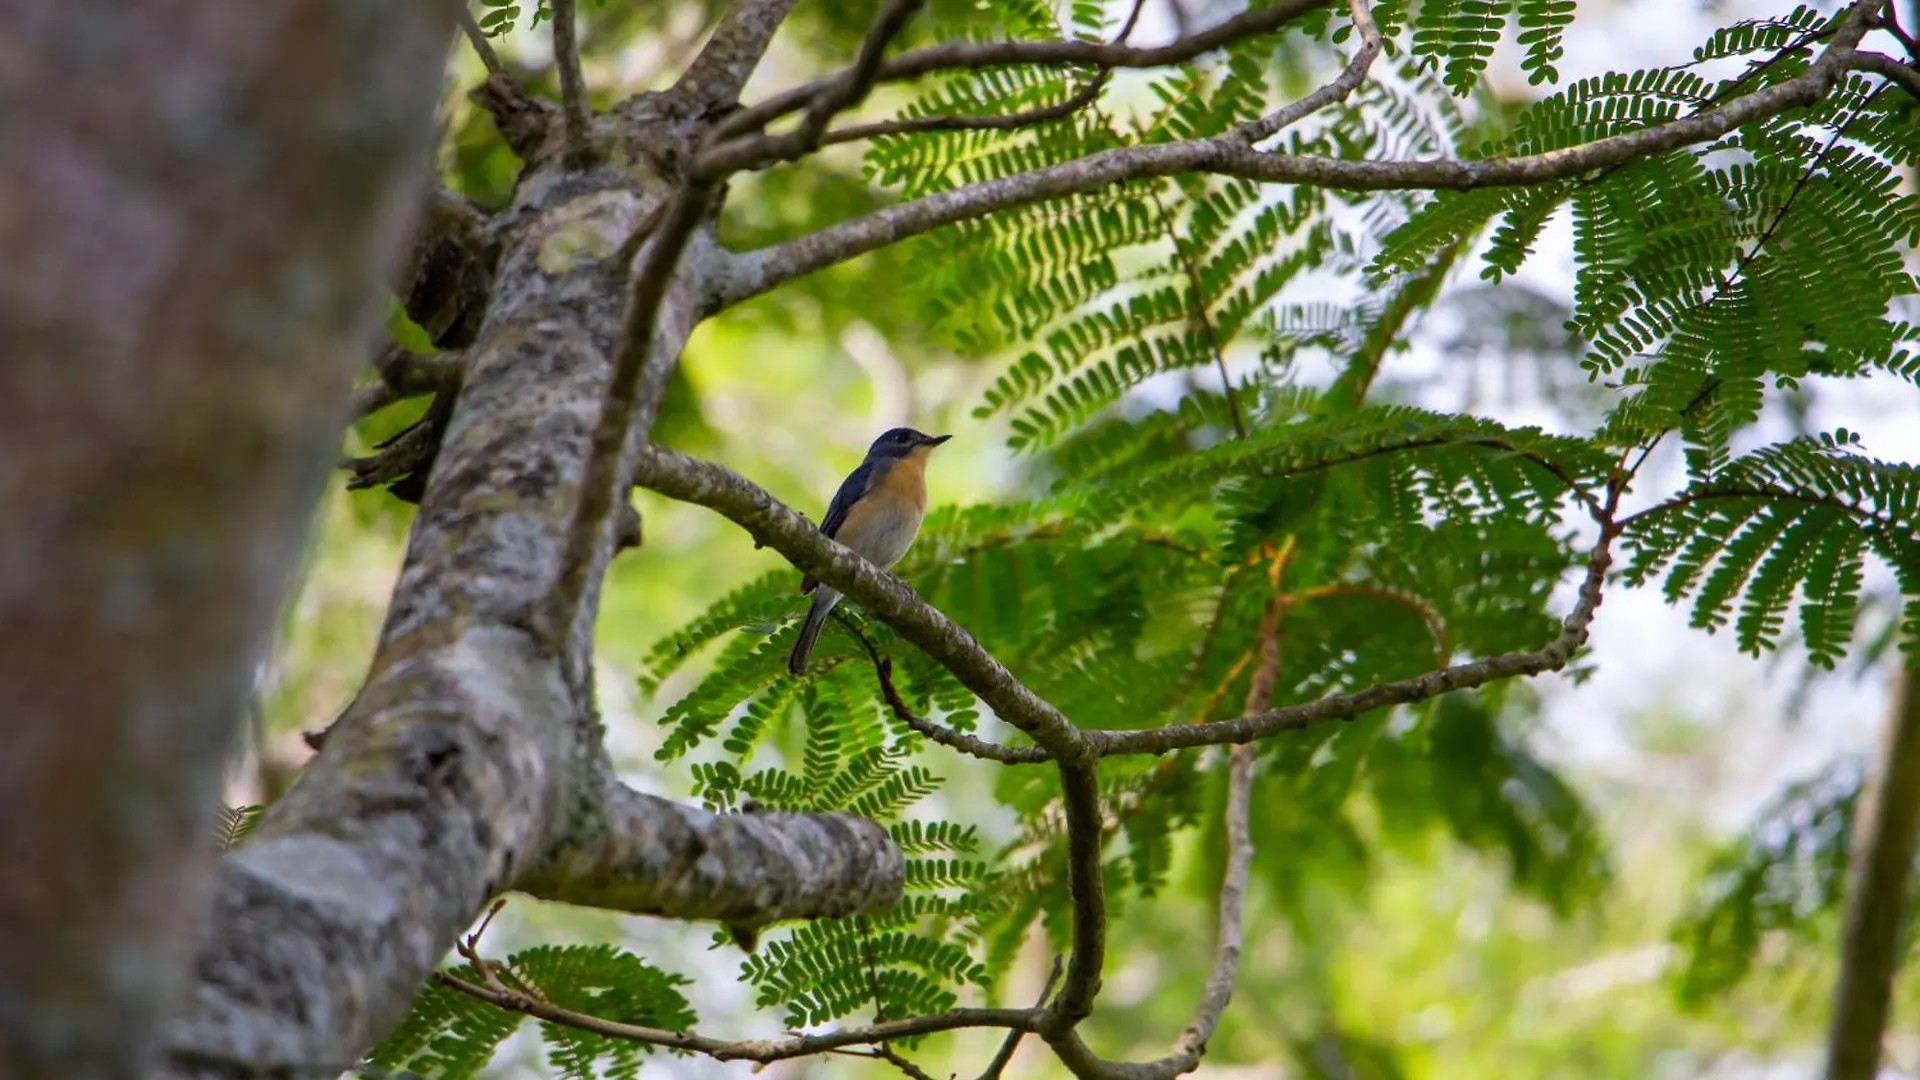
[(652, 856), (960, 56), (755, 272), (603, 487), (573, 87), (883, 595), (727, 61), (472, 760), (1886, 836)]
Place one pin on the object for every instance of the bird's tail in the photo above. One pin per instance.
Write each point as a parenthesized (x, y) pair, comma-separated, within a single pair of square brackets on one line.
[(823, 602)]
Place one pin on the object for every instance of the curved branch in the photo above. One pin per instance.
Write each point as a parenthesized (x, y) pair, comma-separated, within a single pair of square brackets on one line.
[(1905, 74), (756, 272), (760, 1050), (844, 91), (1334, 92), (1553, 656), (886, 597)]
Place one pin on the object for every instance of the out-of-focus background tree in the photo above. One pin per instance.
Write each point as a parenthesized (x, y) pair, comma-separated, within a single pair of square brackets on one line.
[(1380, 945)]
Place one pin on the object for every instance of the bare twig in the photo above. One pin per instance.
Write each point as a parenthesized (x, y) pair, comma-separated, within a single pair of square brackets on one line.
[(844, 91), (573, 87), (918, 125), (940, 733), (975, 56), (1336, 91), (603, 488), (1004, 1055), (1885, 836), (478, 39), (727, 60), (756, 272), (760, 1050)]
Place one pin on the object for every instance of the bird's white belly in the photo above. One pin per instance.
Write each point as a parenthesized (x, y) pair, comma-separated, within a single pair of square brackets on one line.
[(887, 536)]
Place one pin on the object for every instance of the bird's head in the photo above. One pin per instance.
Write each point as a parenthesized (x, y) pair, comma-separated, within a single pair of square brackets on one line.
[(903, 442)]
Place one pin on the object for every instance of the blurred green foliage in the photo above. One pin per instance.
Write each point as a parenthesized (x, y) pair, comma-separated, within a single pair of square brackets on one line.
[(1435, 894)]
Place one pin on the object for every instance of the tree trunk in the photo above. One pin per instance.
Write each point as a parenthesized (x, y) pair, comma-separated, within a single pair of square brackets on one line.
[(197, 200)]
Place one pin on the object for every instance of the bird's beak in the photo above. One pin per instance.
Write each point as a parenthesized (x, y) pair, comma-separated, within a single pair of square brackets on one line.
[(935, 440)]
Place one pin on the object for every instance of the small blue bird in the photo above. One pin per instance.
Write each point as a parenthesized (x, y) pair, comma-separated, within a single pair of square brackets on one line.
[(877, 513)]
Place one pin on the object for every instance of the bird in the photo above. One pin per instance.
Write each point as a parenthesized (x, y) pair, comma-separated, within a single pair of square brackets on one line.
[(877, 513)]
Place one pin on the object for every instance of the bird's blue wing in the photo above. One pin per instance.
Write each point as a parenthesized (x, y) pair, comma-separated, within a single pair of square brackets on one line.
[(850, 491)]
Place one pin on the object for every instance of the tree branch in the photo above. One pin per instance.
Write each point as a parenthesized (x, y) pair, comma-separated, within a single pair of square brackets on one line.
[(1886, 835), (843, 92), (652, 856), (1334, 92), (940, 733), (883, 595), (920, 125), (1001, 1057), (961, 56), (1087, 886), (1551, 657), (759, 1050), (1218, 990), (756, 272), (573, 87), (603, 489), (478, 39), (724, 65), (1888, 68)]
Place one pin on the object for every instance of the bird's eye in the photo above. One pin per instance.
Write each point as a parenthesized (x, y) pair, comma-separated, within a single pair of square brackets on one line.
[(902, 437)]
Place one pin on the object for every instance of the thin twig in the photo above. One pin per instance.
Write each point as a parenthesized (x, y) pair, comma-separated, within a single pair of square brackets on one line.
[(573, 87), (761, 1050), (1885, 836), (959, 56), (1334, 92), (478, 39), (1040, 114), (919, 125), (832, 97), (940, 733), (1004, 1055), (1197, 311)]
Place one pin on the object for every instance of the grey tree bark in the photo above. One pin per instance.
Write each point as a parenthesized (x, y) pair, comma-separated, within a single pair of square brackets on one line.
[(190, 236)]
